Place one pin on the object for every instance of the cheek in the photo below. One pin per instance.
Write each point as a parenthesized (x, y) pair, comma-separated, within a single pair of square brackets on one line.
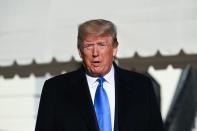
[(111, 54), (83, 55), (86, 58), (107, 58)]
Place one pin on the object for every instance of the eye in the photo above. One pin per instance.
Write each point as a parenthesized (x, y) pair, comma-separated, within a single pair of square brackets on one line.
[(88, 46), (102, 44)]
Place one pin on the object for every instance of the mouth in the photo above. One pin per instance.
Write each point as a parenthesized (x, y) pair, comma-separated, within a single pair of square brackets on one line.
[(96, 63)]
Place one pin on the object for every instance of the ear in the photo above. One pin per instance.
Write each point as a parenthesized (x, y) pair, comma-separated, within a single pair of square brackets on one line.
[(115, 49), (80, 54)]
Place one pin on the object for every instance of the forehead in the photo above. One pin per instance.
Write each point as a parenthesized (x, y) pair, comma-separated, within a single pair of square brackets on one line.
[(90, 38)]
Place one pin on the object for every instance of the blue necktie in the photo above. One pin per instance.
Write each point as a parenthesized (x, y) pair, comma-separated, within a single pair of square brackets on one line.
[(102, 108)]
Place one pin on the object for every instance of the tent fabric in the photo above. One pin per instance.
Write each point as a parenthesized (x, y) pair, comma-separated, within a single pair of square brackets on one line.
[(182, 113), (41, 30)]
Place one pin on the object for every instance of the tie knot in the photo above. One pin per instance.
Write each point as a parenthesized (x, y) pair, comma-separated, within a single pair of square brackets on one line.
[(100, 79)]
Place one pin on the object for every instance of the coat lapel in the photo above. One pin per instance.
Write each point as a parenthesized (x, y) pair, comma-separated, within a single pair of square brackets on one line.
[(121, 98), (85, 104)]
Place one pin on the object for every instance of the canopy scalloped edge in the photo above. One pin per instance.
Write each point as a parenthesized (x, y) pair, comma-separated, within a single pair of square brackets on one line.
[(136, 63)]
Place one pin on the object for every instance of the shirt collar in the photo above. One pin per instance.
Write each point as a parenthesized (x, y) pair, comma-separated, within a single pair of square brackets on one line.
[(108, 77)]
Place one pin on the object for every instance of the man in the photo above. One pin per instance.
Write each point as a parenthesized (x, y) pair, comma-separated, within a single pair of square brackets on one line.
[(99, 95)]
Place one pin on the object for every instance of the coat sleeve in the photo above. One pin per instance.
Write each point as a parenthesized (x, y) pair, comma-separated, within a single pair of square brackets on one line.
[(45, 118)]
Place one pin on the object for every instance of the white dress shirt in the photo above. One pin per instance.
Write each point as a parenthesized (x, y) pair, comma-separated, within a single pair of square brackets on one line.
[(109, 86)]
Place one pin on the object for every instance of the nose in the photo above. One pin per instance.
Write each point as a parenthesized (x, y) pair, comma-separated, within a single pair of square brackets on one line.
[(95, 51)]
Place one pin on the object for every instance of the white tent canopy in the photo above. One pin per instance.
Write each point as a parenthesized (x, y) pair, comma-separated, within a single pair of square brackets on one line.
[(46, 29)]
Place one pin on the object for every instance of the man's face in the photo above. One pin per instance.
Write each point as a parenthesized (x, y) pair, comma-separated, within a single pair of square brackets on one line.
[(97, 53)]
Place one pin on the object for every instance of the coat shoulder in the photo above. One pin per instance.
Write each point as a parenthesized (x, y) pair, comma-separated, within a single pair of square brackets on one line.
[(131, 75), (69, 76)]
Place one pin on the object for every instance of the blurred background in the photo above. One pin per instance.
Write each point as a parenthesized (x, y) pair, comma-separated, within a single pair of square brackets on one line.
[(38, 40)]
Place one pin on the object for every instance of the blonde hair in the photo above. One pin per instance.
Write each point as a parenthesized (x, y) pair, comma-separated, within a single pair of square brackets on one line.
[(97, 27)]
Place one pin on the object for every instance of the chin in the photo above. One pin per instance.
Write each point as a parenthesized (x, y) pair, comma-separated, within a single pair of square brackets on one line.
[(95, 74)]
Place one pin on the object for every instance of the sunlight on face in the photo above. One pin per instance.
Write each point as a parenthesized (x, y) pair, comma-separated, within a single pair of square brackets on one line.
[(97, 53)]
